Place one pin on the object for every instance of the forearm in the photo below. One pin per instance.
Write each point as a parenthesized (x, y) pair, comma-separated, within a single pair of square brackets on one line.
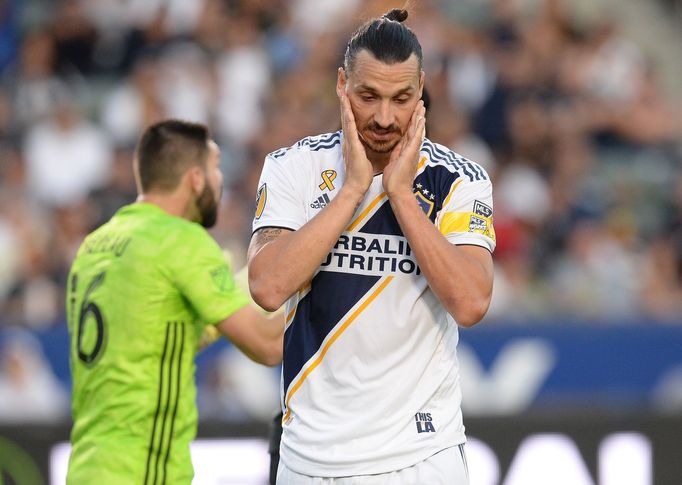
[(461, 280), (258, 336), (282, 266), (267, 346), (257, 333)]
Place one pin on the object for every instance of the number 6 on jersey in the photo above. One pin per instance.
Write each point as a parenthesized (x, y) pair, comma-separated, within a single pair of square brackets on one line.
[(90, 339)]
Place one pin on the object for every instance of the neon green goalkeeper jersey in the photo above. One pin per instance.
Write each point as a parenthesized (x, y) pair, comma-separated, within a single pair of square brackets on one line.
[(140, 291)]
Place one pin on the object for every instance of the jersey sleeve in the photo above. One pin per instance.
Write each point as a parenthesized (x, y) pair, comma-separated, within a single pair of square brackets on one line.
[(467, 214), (203, 276), (279, 201)]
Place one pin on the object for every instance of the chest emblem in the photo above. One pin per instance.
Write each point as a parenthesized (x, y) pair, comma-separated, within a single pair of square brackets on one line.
[(424, 203)]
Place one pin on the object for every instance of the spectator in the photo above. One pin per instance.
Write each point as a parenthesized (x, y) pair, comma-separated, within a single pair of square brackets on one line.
[(66, 156)]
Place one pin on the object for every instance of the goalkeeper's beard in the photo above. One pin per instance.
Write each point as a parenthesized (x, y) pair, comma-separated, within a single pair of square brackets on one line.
[(207, 203)]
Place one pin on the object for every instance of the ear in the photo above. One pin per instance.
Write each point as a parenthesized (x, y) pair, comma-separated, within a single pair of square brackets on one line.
[(197, 179), (340, 81), (422, 77)]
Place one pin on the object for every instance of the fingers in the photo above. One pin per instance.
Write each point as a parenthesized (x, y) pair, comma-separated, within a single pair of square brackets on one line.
[(350, 136), (416, 128), (414, 135), (398, 150), (419, 131), (418, 120), (342, 111), (344, 123), (347, 118)]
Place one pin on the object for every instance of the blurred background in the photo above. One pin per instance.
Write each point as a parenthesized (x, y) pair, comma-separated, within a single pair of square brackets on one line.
[(573, 106)]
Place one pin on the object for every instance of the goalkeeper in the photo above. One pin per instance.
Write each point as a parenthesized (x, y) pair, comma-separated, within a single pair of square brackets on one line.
[(142, 290)]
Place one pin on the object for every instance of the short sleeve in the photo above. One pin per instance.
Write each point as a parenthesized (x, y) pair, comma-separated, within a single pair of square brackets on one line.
[(279, 197), (203, 276), (467, 214)]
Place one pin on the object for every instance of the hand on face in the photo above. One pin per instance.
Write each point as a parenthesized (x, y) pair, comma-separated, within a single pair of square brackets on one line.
[(402, 166), (359, 172)]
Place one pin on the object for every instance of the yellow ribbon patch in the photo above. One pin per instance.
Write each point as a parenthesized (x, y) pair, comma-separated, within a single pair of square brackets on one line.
[(328, 177)]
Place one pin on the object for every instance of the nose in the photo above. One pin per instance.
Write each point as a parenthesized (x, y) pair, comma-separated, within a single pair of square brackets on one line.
[(384, 115)]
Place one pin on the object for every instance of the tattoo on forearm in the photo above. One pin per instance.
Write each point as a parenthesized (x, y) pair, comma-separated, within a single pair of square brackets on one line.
[(261, 237), (267, 234)]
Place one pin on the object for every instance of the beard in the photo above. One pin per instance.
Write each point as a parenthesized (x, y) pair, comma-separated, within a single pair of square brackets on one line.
[(380, 146), (208, 206)]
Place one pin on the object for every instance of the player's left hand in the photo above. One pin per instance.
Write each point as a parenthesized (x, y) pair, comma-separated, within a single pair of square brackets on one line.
[(402, 166)]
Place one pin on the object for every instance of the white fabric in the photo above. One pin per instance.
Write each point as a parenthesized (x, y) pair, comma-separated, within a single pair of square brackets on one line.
[(447, 467)]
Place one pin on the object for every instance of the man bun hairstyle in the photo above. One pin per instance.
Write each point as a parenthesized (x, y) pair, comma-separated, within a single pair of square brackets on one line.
[(166, 150), (397, 14), (386, 38)]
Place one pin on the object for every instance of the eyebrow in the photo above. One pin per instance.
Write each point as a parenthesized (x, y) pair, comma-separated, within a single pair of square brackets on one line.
[(370, 89)]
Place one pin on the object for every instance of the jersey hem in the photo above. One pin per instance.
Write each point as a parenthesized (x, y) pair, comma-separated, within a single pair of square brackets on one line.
[(232, 311), (277, 224), (328, 470), (466, 240)]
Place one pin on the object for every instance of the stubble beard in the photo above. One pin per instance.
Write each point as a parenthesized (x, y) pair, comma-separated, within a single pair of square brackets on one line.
[(382, 147), (208, 207)]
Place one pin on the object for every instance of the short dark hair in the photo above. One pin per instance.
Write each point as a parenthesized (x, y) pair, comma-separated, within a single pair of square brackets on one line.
[(386, 38), (166, 150)]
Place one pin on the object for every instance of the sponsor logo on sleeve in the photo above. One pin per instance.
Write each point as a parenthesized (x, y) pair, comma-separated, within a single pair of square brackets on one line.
[(477, 224)]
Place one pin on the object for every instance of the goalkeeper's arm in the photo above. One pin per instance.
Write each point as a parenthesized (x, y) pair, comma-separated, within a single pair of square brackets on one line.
[(254, 331)]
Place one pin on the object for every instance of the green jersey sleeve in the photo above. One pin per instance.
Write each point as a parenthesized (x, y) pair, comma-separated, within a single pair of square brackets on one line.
[(203, 275)]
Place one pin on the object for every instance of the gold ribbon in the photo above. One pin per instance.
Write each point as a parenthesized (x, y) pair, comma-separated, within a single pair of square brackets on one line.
[(328, 177)]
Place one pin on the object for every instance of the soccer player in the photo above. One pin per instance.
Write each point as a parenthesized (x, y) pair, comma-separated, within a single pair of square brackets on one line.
[(379, 241), (140, 292)]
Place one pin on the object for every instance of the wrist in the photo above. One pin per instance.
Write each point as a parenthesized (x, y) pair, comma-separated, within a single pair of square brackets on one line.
[(353, 191), (401, 195), (403, 200)]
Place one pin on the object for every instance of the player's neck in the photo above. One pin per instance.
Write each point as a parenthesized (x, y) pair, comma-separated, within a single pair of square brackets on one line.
[(173, 203), (378, 160)]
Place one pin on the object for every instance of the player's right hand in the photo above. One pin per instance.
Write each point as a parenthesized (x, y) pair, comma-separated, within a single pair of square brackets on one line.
[(359, 171)]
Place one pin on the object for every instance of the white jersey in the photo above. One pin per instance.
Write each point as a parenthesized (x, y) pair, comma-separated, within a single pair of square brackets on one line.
[(370, 379)]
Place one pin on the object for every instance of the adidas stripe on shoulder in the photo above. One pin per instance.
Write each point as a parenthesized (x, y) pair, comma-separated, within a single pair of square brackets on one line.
[(453, 161), (315, 143)]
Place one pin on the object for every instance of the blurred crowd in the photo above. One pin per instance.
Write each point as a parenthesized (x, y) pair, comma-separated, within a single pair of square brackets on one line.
[(567, 116)]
